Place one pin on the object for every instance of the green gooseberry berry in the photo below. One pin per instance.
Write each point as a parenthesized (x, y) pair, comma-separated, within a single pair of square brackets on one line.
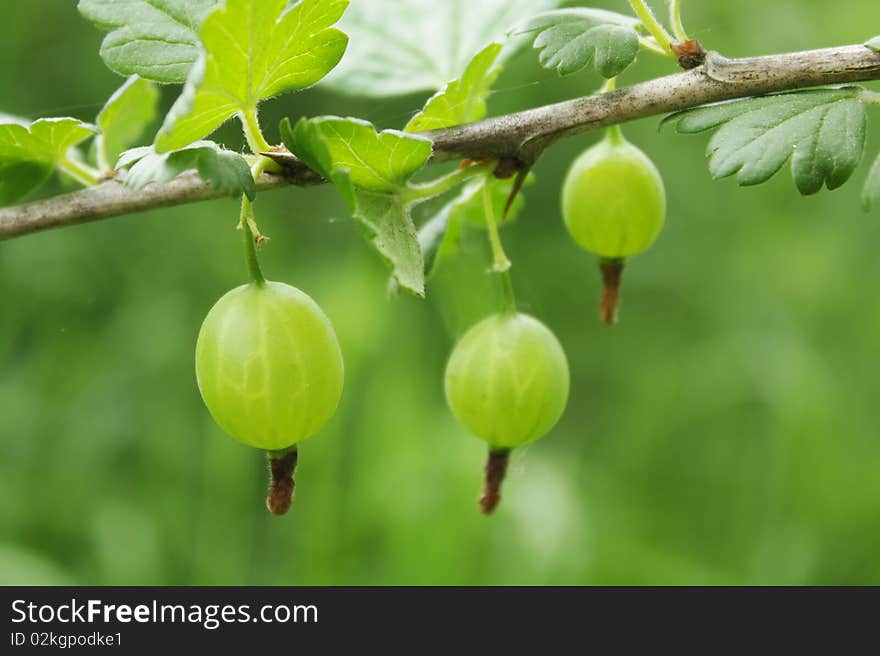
[(269, 366), (507, 381), (613, 200), (270, 370), (614, 205)]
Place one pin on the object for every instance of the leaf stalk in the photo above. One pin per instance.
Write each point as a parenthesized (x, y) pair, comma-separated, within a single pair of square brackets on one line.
[(253, 133), (681, 34), (420, 193), (655, 27), (80, 171)]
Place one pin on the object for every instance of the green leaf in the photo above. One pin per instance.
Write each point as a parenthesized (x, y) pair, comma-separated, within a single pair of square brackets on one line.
[(227, 171), (19, 178), (440, 236), (400, 47), (572, 39), (874, 44), (871, 195), (371, 170), (822, 132), (29, 153), (386, 221), (156, 39), (124, 119), (254, 49), (464, 100), (383, 162)]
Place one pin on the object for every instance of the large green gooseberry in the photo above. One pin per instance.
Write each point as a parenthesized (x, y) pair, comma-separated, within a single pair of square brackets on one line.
[(613, 200), (269, 366), (507, 380)]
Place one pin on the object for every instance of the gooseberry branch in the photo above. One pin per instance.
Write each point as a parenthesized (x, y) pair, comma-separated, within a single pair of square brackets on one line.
[(520, 137)]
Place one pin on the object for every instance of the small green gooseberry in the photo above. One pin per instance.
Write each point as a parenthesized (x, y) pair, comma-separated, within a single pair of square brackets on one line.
[(613, 200), (613, 205), (507, 381), (269, 366)]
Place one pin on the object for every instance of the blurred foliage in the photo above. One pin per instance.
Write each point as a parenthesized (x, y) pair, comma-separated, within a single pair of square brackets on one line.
[(726, 432)]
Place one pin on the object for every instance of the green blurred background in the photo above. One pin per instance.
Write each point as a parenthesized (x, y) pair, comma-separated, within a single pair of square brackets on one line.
[(725, 433)]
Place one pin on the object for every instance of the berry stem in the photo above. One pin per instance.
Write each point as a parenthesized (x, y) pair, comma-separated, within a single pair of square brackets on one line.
[(501, 263), (508, 298), (246, 224), (282, 465), (496, 470), (612, 279), (615, 135)]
